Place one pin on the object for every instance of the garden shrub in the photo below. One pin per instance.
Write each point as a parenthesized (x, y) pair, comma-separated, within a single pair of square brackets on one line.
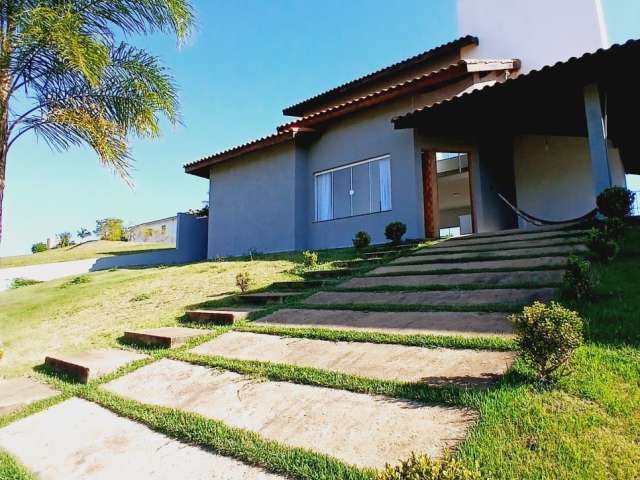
[(23, 282), (243, 281), (422, 467), (613, 228), (602, 246), (615, 202), (39, 247), (76, 281), (394, 232), (362, 240), (547, 335), (310, 258), (578, 281)]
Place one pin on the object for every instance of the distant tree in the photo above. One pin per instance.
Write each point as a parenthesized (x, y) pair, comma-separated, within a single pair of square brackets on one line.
[(110, 229), (39, 247), (83, 233), (68, 76), (64, 239)]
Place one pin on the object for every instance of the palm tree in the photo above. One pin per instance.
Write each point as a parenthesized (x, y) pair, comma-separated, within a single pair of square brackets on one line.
[(65, 76)]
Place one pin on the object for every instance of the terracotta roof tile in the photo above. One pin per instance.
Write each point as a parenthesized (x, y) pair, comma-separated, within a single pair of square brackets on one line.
[(296, 110)]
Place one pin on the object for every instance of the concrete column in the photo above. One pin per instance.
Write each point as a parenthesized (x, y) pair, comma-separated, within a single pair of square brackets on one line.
[(597, 139)]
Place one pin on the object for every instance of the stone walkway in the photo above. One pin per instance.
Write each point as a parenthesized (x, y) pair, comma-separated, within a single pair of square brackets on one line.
[(78, 439), (364, 430)]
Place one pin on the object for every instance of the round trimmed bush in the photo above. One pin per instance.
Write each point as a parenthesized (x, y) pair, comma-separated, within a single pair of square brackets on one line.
[(615, 202), (39, 247), (547, 335), (394, 232), (362, 240), (602, 246)]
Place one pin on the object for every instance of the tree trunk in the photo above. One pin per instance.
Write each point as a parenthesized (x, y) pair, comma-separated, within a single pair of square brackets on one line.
[(5, 93)]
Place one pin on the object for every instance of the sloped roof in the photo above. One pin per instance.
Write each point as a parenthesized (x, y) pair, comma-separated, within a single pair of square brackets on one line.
[(299, 108)]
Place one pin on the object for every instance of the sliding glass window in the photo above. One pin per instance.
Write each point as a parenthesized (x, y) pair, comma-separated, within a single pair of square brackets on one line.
[(356, 189)]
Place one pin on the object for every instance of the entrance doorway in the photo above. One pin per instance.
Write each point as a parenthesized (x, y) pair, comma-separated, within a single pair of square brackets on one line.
[(447, 190)]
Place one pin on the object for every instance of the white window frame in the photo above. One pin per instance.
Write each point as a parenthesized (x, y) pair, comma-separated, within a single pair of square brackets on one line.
[(350, 166)]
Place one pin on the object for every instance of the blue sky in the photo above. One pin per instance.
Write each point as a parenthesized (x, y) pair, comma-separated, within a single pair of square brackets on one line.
[(248, 60)]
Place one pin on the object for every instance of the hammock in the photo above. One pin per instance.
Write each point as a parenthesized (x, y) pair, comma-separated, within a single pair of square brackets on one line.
[(541, 222)]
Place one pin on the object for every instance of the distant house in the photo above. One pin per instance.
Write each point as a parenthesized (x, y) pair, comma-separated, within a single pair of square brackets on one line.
[(155, 231), (433, 140)]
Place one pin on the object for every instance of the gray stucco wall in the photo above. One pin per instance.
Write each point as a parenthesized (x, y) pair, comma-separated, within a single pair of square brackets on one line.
[(554, 179), (253, 203), (359, 137)]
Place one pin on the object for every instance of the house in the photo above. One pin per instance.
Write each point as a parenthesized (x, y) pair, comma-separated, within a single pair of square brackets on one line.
[(532, 105), (155, 231)]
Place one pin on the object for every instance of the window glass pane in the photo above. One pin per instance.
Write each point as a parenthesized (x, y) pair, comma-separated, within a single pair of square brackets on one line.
[(360, 199), (385, 184), (374, 167), (323, 197), (341, 197)]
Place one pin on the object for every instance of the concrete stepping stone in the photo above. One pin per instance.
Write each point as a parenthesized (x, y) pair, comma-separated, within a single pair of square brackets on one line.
[(264, 298), (520, 263), (516, 252), (442, 248), (378, 254), (87, 366), (433, 366), (166, 337), (225, 316), (355, 263), (364, 430), (77, 439), (539, 277), (448, 297), (464, 324), (16, 393), (510, 238)]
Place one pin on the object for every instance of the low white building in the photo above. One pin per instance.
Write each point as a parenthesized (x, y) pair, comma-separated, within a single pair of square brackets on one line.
[(155, 231)]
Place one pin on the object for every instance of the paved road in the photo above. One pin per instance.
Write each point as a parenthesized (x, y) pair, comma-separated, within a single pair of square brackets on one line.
[(45, 271)]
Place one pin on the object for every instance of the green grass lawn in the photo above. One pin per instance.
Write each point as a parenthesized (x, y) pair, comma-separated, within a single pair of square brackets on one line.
[(92, 249), (585, 426)]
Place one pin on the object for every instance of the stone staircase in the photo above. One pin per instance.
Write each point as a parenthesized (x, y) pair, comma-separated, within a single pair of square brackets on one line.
[(380, 326)]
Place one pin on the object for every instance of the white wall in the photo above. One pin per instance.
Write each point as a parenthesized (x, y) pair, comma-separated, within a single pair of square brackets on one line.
[(553, 176), (538, 32), (152, 231)]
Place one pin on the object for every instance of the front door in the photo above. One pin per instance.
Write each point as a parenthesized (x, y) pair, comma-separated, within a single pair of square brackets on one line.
[(448, 205)]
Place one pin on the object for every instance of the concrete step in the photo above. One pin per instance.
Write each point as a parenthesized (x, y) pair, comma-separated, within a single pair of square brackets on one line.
[(432, 366), (335, 273), (512, 296), (166, 337), (379, 254), (515, 252), (359, 429), (489, 247), (523, 231), (87, 366), (458, 241), (77, 439), (355, 263), (464, 324), (543, 277), (298, 285), (225, 316), (16, 393), (487, 265), (265, 298)]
